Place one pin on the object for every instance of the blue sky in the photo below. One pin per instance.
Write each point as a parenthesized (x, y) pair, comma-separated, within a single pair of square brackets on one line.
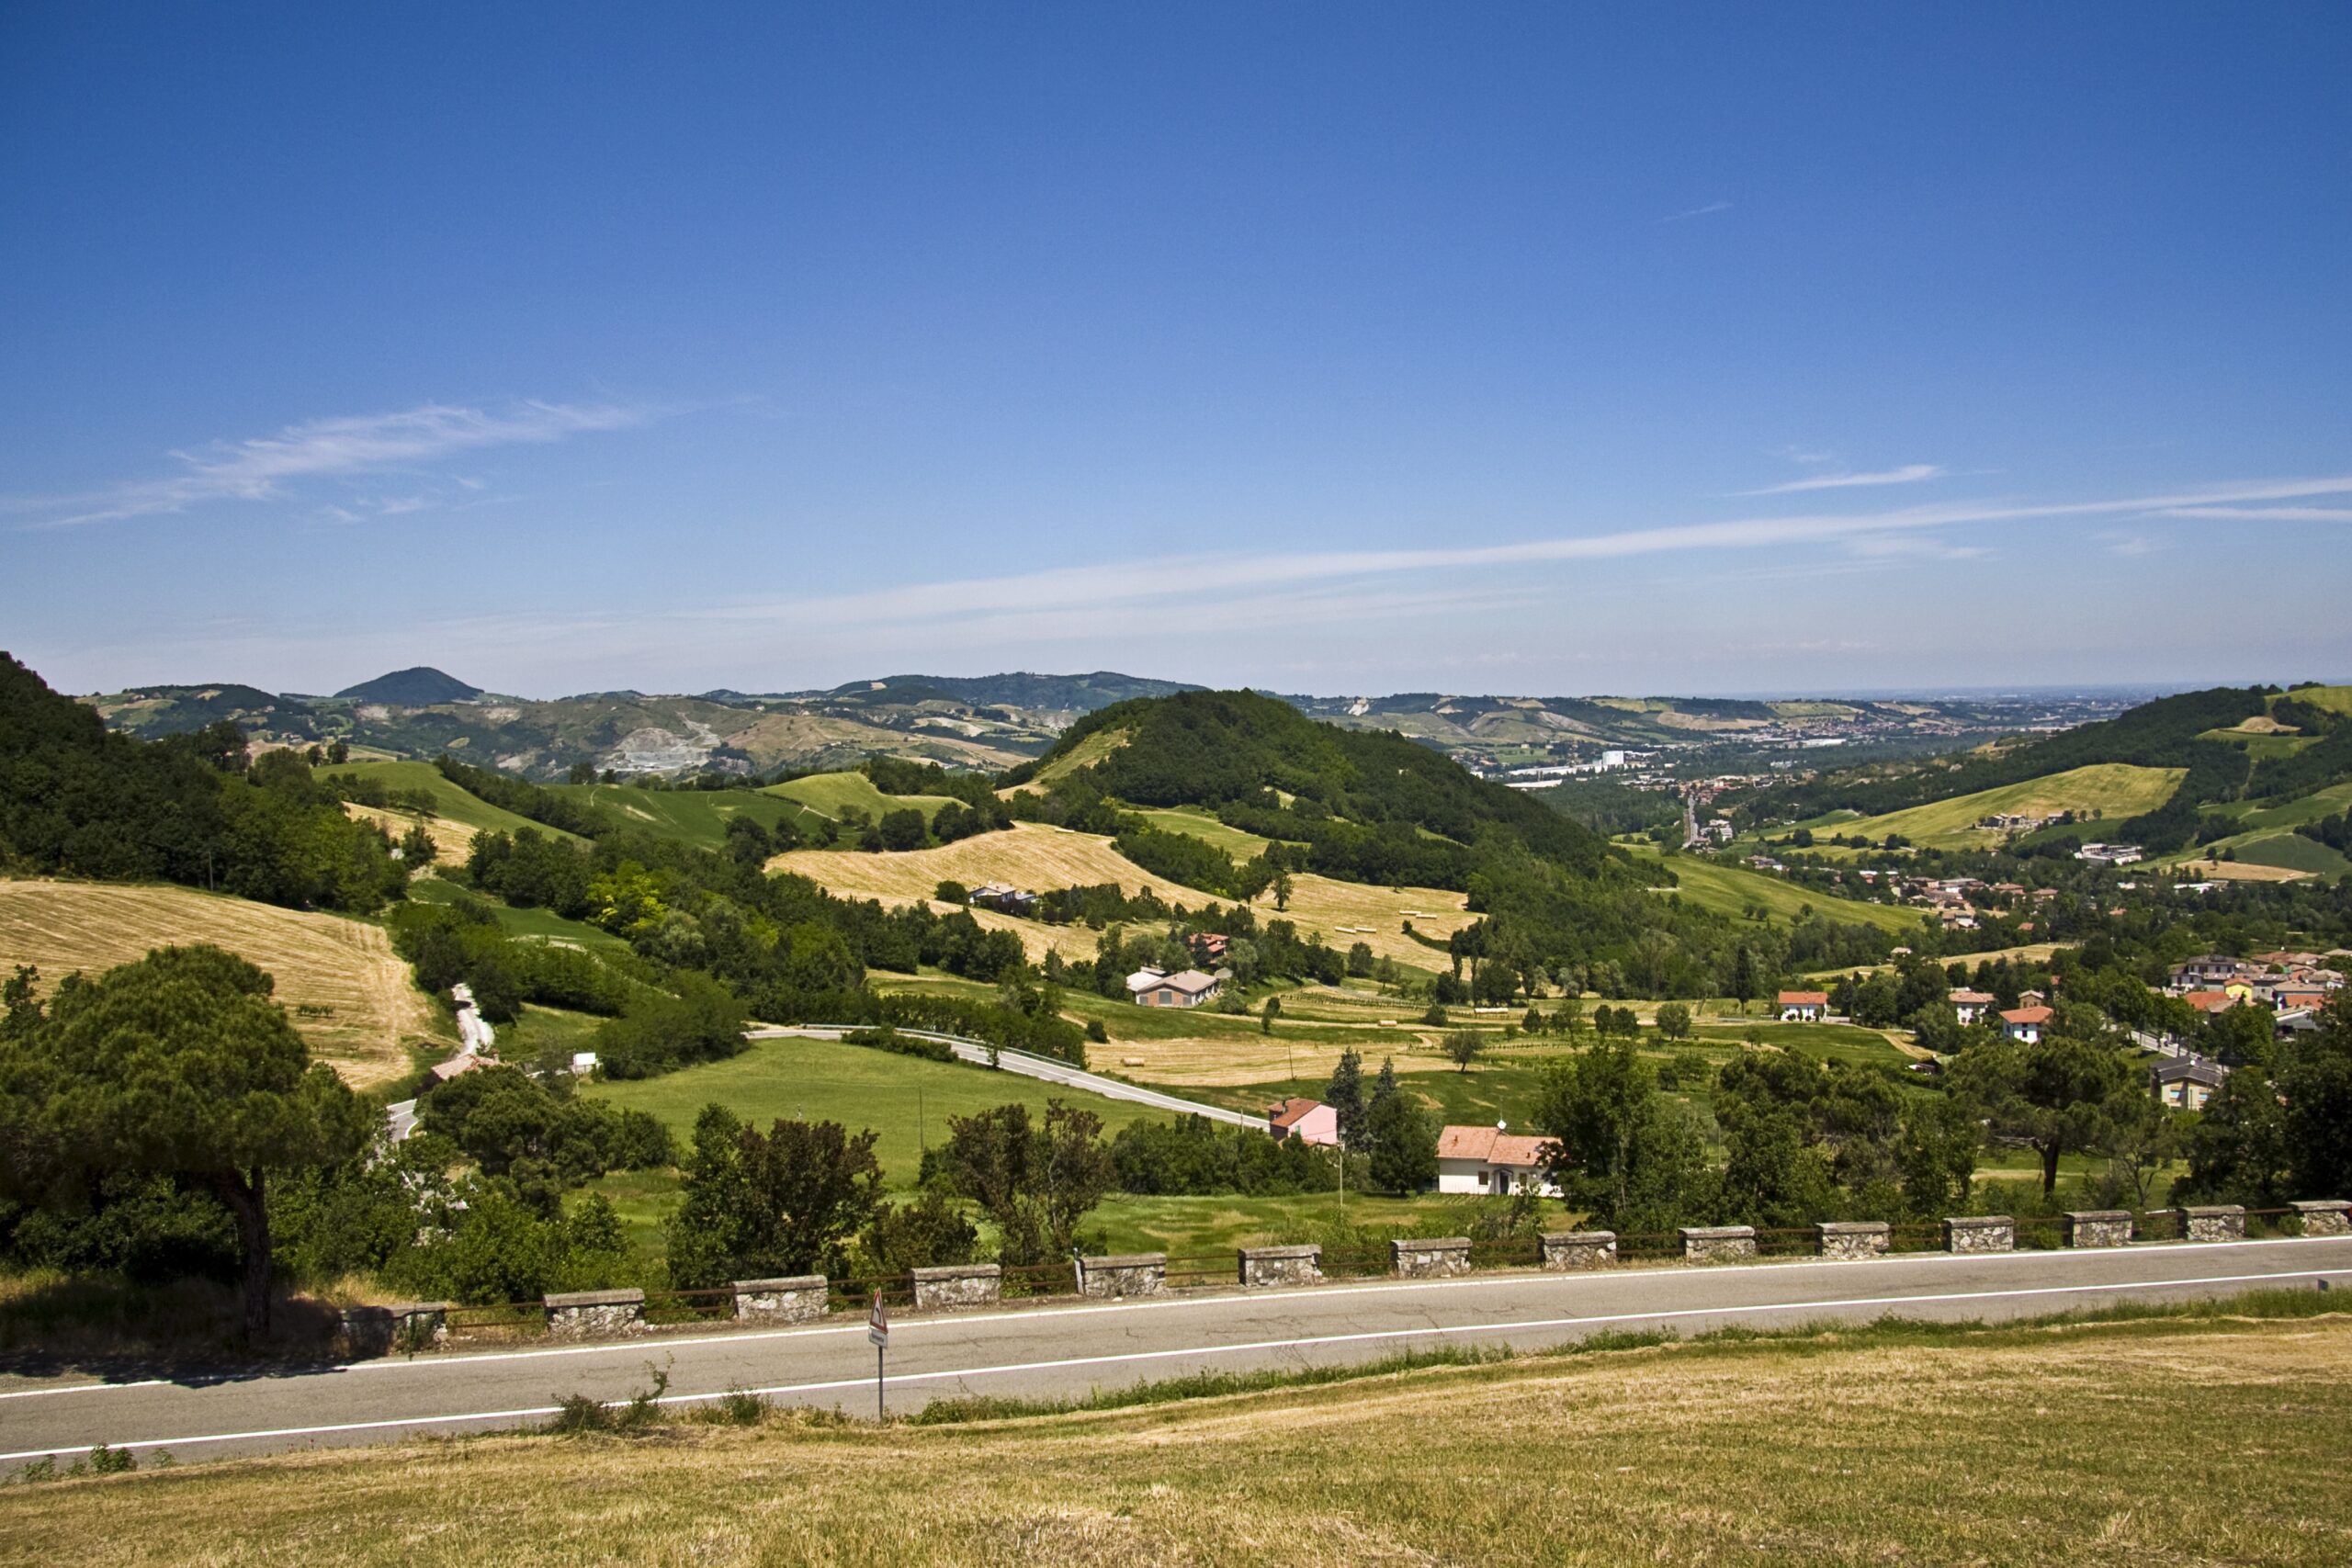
[(1342, 349)]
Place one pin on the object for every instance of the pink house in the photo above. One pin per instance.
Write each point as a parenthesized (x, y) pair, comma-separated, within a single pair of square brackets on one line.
[(1308, 1121)]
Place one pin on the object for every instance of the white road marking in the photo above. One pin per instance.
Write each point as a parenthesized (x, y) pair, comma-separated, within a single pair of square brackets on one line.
[(1308, 1342), (1046, 1311), (85, 1388)]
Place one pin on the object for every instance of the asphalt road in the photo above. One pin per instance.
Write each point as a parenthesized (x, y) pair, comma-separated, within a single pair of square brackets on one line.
[(1066, 1350), (1030, 1066)]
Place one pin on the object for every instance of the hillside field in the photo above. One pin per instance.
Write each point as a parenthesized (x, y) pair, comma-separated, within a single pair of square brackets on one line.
[(905, 1098), (824, 794), (2117, 790), (1729, 889), (365, 1009), (452, 804), (697, 817), (1033, 855), (2027, 1444)]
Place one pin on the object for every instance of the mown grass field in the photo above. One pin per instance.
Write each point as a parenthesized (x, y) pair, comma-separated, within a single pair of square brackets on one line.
[(2026, 1446), (539, 925), (1042, 858), (1729, 889), (338, 980), (450, 802), (695, 817), (2117, 790), (1203, 826), (828, 794), (905, 1100)]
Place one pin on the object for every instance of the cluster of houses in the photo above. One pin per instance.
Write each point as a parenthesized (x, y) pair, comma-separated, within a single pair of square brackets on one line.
[(1493, 1160), (2293, 985)]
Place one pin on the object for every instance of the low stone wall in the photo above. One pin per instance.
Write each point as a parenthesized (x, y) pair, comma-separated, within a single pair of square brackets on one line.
[(1850, 1239), (1281, 1265), (1429, 1258), (585, 1314), (798, 1298), (2213, 1222), (1980, 1233), (952, 1285), (2099, 1227), (1124, 1274), (2325, 1216), (1579, 1249), (1717, 1243)]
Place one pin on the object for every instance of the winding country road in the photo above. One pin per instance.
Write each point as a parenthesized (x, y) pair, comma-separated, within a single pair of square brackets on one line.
[(1067, 1349)]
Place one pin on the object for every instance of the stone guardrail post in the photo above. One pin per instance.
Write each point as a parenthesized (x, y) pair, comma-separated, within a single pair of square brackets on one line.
[(1850, 1239), (1980, 1233), (797, 1297), (2099, 1227), (1579, 1249), (953, 1285), (2325, 1216), (1280, 1265), (1717, 1243), (1429, 1257), (2213, 1222), (580, 1314), (1124, 1274), (405, 1325)]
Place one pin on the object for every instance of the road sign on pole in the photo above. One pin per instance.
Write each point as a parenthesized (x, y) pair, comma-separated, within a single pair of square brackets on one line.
[(878, 1331)]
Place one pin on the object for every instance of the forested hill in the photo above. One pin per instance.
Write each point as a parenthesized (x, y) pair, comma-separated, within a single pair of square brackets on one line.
[(2161, 734), (78, 800), (2256, 744), (1367, 801)]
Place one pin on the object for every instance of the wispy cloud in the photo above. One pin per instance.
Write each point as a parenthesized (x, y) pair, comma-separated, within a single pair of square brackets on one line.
[(1712, 206), (2262, 514), (2119, 542), (1913, 546), (267, 468), (1910, 473)]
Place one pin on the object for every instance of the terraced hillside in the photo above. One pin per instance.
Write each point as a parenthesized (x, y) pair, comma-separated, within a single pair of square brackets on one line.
[(338, 978)]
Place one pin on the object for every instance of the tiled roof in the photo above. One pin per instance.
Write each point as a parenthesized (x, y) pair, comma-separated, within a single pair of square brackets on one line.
[(1491, 1144)]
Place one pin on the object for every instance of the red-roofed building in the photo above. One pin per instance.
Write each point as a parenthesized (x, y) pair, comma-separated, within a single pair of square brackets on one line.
[(2210, 1001), (1308, 1121), (1970, 1005), (1489, 1159), (2026, 1024), (1802, 1007)]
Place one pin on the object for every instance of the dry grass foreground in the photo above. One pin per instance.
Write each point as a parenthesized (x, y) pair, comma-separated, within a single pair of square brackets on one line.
[(2175, 1443), (364, 1007), (1034, 856)]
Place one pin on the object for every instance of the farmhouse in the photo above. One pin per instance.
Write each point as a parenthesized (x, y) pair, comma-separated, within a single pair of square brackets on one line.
[(1006, 900), (2024, 1024), (1970, 1005), (2108, 854), (1185, 988), (1489, 1159), (1308, 1121), (2208, 969), (1208, 947), (1802, 1007)]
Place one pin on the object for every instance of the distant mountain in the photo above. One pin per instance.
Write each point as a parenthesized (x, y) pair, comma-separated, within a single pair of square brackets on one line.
[(420, 687), (1020, 689)]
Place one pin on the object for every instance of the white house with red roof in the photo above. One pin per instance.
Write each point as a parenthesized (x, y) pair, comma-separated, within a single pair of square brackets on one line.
[(1802, 1007), (1970, 1005), (2026, 1024), (1491, 1159), (1308, 1121)]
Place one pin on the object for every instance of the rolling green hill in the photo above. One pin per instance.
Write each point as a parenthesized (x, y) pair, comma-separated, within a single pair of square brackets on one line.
[(2114, 790), (826, 794), (451, 801), (1732, 890), (697, 817)]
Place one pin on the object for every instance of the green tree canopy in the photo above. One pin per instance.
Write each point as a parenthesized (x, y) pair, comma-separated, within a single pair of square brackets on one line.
[(180, 1065)]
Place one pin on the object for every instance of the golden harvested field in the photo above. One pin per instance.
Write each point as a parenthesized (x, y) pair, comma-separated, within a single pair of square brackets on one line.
[(1224, 1061), (2241, 871), (2025, 1447), (347, 967), (453, 840), (1032, 855)]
